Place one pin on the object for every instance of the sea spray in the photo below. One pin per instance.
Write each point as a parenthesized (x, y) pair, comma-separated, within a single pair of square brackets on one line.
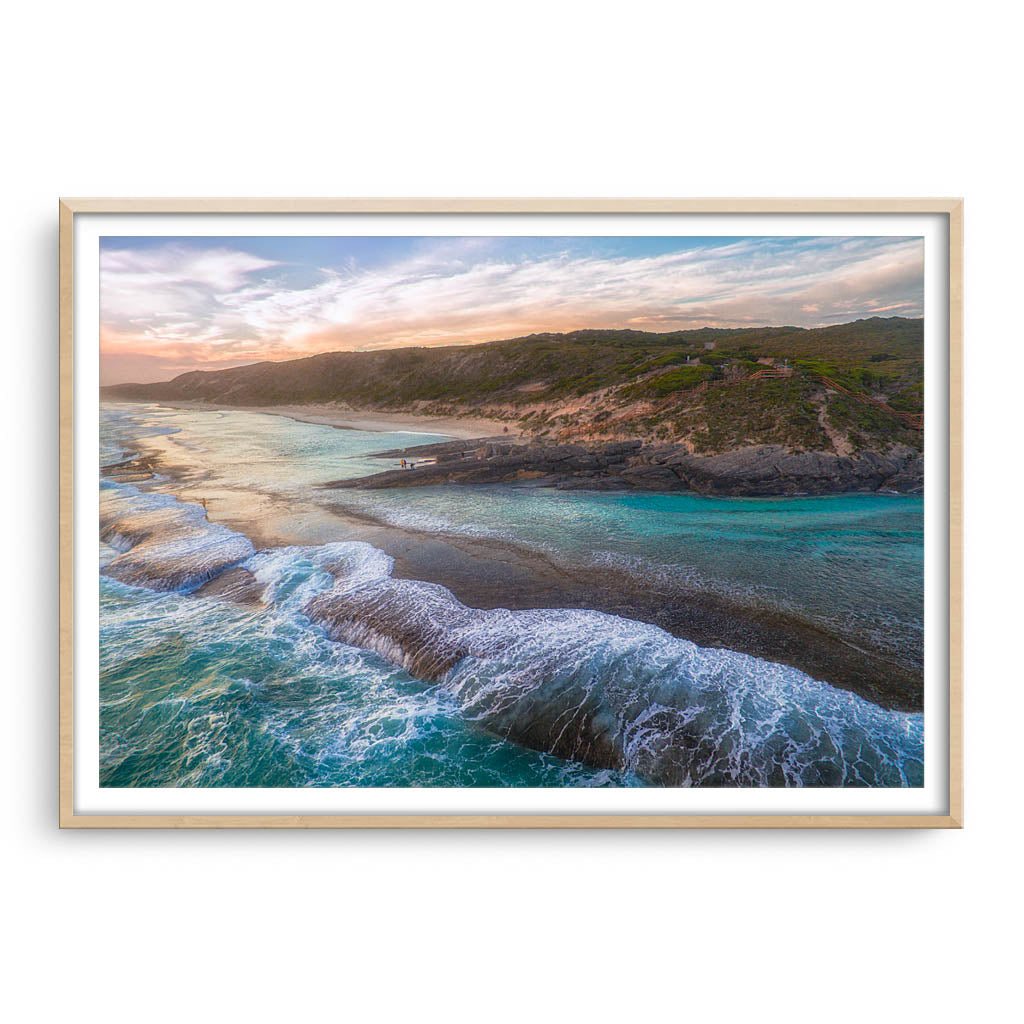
[(199, 691), (166, 544), (615, 693), (581, 685)]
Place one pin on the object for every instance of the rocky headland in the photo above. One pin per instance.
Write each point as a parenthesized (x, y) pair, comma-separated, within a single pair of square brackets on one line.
[(752, 471)]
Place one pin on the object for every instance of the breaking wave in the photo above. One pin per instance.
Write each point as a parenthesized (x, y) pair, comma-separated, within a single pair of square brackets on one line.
[(164, 544), (615, 693), (605, 691)]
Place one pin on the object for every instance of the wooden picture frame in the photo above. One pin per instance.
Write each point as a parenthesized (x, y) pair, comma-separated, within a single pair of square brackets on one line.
[(950, 209)]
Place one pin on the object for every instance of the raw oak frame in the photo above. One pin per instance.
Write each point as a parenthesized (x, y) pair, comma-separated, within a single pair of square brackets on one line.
[(952, 208)]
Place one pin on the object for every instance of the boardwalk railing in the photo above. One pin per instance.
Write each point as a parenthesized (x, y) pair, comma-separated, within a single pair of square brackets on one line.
[(767, 373), (912, 421)]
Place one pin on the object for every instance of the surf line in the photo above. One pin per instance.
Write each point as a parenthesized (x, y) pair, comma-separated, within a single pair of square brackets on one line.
[(606, 691)]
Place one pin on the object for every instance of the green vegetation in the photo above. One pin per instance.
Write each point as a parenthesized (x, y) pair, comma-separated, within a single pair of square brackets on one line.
[(820, 368), (862, 423), (757, 412), (591, 383), (908, 399), (672, 380), (715, 358)]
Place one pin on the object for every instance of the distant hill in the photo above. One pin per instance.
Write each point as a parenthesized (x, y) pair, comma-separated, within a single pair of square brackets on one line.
[(686, 386)]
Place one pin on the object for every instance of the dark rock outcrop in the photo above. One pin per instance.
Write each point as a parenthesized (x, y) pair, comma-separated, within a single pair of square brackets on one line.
[(756, 471), (772, 470)]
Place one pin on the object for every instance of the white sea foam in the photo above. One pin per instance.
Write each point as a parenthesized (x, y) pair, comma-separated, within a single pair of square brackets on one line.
[(622, 694), (609, 692), (165, 544)]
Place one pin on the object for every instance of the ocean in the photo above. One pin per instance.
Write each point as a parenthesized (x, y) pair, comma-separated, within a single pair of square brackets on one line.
[(307, 662)]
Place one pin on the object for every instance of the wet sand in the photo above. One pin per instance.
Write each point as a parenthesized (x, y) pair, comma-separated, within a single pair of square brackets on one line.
[(487, 573)]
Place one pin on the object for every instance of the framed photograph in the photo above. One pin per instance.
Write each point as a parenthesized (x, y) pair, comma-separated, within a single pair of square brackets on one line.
[(510, 513)]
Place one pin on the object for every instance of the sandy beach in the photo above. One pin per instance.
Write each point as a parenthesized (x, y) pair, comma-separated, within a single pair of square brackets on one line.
[(345, 418)]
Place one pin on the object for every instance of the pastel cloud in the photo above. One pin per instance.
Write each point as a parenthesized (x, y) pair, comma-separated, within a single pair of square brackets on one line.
[(176, 306)]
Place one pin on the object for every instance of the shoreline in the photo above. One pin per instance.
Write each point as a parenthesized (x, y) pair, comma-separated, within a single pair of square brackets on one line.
[(487, 573), (482, 450), (753, 472), (461, 428)]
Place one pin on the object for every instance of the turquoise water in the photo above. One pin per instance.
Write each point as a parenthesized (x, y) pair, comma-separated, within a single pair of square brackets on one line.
[(848, 561), (199, 690)]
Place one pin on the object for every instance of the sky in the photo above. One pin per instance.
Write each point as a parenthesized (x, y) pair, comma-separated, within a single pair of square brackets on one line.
[(170, 304)]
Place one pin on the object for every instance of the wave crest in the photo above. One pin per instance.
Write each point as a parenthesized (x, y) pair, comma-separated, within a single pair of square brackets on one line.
[(165, 544), (606, 691), (614, 693)]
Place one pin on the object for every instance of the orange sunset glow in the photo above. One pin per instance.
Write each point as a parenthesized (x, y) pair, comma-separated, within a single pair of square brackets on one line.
[(170, 305)]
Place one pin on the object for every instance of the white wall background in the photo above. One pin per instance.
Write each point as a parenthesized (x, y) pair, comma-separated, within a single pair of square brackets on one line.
[(518, 99)]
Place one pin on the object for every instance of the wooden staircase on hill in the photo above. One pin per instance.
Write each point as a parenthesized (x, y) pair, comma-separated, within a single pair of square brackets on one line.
[(912, 421)]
